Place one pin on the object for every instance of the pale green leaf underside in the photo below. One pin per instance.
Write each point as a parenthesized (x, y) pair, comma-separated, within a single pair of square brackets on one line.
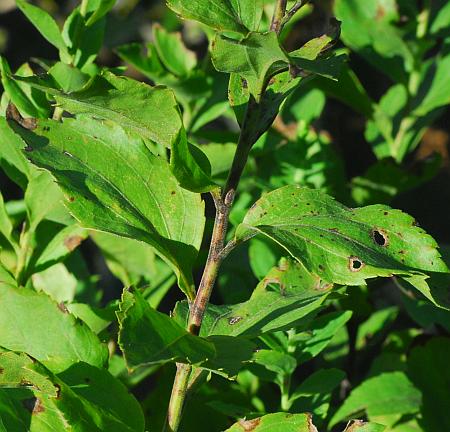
[(340, 244), (113, 183)]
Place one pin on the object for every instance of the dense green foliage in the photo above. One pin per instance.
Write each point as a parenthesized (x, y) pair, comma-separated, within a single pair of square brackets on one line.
[(211, 174)]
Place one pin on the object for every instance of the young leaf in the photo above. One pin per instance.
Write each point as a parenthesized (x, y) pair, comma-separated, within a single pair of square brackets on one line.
[(172, 52), (253, 58), (238, 16), (321, 332), (190, 165), (149, 337), (45, 24), (103, 7), (18, 97), (151, 112), (385, 394), (49, 334), (278, 422), (287, 294), (341, 245)]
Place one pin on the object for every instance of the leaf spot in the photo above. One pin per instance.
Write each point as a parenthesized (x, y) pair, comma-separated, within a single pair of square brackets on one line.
[(234, 320), (28, 149), (72, 242), (249, 425), (380, 237), (355, 264)]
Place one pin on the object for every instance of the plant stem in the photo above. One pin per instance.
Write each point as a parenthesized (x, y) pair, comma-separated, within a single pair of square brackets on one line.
[(216, 254), (278, 15), (177, 397), (291, 12)]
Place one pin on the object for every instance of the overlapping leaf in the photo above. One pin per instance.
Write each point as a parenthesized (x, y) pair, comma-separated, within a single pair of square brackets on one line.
[(286, 295), (131, 193), (82, 398)]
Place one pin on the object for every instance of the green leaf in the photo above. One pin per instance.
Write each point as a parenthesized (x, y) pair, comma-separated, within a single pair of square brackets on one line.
[(44, 23), (19, 370), (104, 6), (278, 363), (190, 165), (254, 58), (314, 393), (149, 337), (83, 41), (361, 426), (278, 422), (12, 157), (67, 77), (428, 370), (46, 330), (284, 297), (369, 30), (375, 327), (341, 245), (151, 112), (320, 333), (172, 52), (41, 198), (82, 398), (238, 16), (59, 247), (6, 226), (18, 97), (385, 394), (131, 193)]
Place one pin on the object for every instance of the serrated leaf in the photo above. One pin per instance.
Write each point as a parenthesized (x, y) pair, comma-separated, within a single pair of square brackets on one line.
[(132, 193), (285, 296), (44, 23), (341, 245), (82, 398), (149, 337), (151, 112), (49, 334), (384, 394), (238, 16), (277, 422), (253, 58)]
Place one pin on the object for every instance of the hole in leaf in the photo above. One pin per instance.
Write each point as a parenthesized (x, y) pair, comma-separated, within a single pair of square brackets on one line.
[(355, 264), (379, 237)]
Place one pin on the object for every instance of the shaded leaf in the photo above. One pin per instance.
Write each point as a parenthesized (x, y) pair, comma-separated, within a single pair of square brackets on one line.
[(138, 198), (385, 394)]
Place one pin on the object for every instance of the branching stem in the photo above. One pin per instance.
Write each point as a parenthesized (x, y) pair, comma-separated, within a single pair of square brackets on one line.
[(217, 252), (278, 15), (291, 12)]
